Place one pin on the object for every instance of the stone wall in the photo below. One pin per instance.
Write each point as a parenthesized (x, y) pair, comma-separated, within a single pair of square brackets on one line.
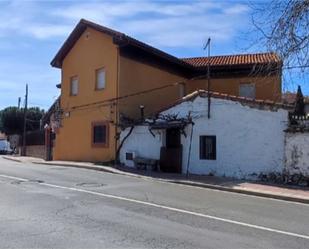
[(36, 151)]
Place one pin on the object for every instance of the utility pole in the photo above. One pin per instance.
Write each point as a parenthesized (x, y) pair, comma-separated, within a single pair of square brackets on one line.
[(23, 152), (208, 75), (19, 99)]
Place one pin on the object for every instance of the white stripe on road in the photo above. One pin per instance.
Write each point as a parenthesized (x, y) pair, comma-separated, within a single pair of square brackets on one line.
[(15, 178), (166, 208)]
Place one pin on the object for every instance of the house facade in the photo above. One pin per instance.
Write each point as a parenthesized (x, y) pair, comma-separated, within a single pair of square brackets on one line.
[(243, 138), (106, 76)]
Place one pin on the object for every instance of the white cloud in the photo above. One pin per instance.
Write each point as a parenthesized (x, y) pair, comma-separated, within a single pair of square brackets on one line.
[(164, 24), (44, 31), (237, 9), (184, 25), (40, 78), (105, 10), (173, 24), (29, 19)]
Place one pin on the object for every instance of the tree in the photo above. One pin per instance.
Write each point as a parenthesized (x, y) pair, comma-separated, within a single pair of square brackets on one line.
[(299, 103), (12, 118), (34, 116), (283, 26)]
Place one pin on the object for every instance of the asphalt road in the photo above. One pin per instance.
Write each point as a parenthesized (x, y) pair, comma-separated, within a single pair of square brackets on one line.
[(60, 207)]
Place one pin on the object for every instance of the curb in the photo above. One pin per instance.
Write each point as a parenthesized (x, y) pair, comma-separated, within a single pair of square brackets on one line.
[(193, 184), (243, 191), (12, 159), (77, 166)]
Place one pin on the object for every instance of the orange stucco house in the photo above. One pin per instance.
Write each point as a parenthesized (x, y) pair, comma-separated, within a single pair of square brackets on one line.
[(107, 75)]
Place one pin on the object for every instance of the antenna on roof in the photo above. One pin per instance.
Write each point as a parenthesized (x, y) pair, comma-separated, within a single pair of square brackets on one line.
[(207, 45)]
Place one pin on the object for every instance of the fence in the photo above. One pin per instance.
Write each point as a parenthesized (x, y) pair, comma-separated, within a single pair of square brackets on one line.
[(34, 138)]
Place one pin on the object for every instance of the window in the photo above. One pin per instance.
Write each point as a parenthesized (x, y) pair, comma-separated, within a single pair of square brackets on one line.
[(100, 79), (99, 134), (208, 148), (129, 156), (247, 90), (74, 86)]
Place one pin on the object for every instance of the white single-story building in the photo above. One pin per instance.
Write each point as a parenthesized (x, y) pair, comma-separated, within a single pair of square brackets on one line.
[(242, 138)]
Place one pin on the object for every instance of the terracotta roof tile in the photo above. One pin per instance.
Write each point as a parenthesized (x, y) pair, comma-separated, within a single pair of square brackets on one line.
[(253, 102), (230, 60)]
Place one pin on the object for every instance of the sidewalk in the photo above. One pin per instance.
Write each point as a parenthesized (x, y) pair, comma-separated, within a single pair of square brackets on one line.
[(282, 192)]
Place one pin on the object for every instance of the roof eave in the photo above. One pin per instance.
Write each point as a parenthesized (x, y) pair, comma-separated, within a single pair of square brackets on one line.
[(119, 39), (68, 44), (129, 41)]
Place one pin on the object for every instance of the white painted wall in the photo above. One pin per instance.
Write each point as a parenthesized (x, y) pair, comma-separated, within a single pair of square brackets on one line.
[(249, 140), (297, 153), (142, 143)]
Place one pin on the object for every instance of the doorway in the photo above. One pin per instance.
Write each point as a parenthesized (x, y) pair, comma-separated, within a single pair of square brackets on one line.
[(171, 154)]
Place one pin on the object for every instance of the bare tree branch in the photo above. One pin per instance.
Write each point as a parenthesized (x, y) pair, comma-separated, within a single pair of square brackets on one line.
[(284, 28)]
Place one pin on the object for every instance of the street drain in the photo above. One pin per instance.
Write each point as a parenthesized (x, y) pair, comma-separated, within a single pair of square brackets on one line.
[(90, 184), (16, 182)]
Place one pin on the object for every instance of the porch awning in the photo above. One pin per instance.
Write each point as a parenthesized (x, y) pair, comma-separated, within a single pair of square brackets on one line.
[(167, 125)]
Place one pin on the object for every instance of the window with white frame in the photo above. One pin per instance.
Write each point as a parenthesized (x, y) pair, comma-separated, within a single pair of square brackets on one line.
[(74, 86), (247, 90), (100, 79)]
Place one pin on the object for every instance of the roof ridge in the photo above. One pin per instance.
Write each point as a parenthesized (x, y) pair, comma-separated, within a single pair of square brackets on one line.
[(241, 99), (229, 55), (225, 96), (83, 24), (88, 22)]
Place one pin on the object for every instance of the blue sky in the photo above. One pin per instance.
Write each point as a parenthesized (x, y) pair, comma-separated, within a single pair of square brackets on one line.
[(31, 32)]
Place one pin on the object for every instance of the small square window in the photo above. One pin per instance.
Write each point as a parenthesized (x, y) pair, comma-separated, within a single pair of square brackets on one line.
[(74, 86), (247, 90), (100, 79), (129, 156), (208, 150), (100, 134)]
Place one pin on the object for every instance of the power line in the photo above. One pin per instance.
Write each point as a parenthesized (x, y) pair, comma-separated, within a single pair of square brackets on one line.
[(108, 102), (296, 67), (129, 95)]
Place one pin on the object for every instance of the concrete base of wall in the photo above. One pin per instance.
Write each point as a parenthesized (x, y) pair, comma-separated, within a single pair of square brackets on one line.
[(36, 151)]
